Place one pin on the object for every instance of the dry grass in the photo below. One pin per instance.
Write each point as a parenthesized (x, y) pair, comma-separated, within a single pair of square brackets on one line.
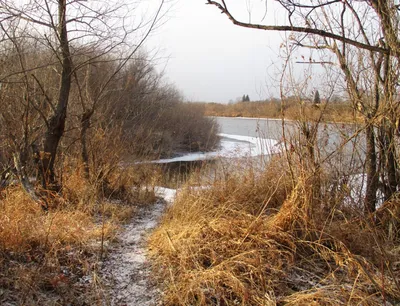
[(333, 112), (42, 254), (24, 224), (259, 239), (47, 258)]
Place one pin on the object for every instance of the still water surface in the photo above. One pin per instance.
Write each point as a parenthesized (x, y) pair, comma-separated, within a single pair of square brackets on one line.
[(330, 136), (251, 137), (254, 140), (254, 127)]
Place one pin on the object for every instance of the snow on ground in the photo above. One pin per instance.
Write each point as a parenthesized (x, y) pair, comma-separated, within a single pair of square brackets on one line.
[(167, 194), (251, 146), (232, 146), (126, 270), (253, 118)]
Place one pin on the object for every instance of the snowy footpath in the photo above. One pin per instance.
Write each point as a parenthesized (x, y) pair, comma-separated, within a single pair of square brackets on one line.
[(126, 270)]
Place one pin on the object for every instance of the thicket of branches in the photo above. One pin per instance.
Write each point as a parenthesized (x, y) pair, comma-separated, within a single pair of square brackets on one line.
[(319, 224), (361, 41), (74, 84)]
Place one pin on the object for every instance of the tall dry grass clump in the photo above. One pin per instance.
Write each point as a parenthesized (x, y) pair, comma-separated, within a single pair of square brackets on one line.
[(259, 239), (42, 255), (51, 257)]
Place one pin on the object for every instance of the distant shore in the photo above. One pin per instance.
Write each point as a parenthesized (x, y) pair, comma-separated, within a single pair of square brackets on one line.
[(342, 112)]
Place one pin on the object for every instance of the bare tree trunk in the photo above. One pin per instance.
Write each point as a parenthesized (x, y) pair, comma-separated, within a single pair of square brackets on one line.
[(55, 129), (85, 124), (371, 171), (390, 160)]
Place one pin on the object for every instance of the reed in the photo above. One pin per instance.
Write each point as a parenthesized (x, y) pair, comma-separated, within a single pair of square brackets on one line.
[(262, 238), (52, 257)]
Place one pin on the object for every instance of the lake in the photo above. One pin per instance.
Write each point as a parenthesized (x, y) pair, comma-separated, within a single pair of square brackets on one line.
[(250, 137), (240, 138), (255, 140), (253, 127)]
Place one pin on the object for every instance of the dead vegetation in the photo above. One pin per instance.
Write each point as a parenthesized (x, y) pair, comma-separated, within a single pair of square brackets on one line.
[(266, 239), (51, 257), (71, 125), (292, 109)]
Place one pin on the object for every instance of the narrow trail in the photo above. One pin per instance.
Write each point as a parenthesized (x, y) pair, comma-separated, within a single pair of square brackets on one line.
[(126, 270)]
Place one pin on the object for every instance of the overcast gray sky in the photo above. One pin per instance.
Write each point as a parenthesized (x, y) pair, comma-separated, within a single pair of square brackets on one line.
[(210, 59)]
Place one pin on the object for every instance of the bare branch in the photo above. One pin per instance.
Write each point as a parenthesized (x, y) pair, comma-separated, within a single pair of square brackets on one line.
[(318, 32)]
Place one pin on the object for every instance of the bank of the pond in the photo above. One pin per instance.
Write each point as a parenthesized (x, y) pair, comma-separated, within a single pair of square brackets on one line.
[(231, 146), (330, 112), (267, 238)]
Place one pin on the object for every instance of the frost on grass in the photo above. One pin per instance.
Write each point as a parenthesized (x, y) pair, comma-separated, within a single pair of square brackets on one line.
[(126, 270)]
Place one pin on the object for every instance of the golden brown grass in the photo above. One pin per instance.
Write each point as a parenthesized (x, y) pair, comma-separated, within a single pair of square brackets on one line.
[(45, 255), (258, 239), (333, 112)]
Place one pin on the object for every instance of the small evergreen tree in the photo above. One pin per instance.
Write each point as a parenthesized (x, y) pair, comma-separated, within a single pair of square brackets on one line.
[(317, 99)]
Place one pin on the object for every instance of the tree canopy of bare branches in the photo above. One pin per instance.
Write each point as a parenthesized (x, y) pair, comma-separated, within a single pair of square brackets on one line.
[(75, 78), (364, 38)]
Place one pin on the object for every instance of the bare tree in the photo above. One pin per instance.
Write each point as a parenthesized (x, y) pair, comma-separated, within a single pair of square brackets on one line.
[(364, 38), (68, 32)]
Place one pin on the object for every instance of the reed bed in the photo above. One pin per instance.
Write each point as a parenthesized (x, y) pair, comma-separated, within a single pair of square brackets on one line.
[(52, 257), (261, 239)]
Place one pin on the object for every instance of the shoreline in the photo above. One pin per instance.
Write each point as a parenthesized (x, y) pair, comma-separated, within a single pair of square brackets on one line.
[(280, 119)]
